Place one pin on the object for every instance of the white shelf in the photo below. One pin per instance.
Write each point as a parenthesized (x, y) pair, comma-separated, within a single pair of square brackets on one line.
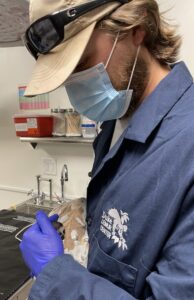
[(50, 140)]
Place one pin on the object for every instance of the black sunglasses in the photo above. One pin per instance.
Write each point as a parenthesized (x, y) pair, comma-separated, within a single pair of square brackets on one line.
[(48, 32)]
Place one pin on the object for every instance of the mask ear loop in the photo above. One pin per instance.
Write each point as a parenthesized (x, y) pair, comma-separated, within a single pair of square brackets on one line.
[(113, 48), (134, 65)]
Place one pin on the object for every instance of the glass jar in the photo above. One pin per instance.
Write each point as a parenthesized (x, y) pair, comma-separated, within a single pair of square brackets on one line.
[(72, 122), (59, 128)]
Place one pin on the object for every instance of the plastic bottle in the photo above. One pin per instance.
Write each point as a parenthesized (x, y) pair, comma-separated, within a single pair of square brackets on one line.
[(88, 128)]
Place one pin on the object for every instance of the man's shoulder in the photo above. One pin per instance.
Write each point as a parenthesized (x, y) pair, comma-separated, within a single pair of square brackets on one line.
[(177, 126), (183, 110)]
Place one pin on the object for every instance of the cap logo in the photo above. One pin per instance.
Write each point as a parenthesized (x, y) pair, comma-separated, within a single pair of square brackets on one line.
[(71, 12)]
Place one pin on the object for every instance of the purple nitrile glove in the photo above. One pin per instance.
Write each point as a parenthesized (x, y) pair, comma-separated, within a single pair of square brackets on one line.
[(41, 243)]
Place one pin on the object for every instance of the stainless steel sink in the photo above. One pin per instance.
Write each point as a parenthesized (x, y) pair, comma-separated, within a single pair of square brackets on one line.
[(30, 207)]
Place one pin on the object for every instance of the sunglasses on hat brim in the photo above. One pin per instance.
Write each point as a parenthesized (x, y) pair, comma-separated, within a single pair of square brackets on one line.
[(47, 32)]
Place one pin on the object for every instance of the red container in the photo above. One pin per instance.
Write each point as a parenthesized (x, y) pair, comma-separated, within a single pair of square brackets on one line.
[(33, 126), (21, 125)]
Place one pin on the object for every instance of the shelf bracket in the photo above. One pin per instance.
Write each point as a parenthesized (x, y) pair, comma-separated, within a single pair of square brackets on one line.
[(33, 145)]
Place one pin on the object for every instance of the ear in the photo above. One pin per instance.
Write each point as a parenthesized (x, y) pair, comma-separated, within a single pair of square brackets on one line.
[(138, 35)]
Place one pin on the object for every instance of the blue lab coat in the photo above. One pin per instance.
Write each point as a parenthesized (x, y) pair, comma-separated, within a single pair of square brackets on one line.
[(140, 211)]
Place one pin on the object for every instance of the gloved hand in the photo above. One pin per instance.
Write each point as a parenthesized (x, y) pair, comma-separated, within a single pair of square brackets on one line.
[(41, 243)]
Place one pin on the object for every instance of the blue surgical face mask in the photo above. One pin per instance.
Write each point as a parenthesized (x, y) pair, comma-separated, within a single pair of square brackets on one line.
[(91, 93)]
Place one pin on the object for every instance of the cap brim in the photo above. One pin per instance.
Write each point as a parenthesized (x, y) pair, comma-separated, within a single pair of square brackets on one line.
[(52, 69)]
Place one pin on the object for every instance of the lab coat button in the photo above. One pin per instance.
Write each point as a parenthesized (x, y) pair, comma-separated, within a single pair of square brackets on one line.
[(89, 221)]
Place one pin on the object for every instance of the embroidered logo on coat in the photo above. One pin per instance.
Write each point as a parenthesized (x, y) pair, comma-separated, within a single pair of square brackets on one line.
[(113, 225)]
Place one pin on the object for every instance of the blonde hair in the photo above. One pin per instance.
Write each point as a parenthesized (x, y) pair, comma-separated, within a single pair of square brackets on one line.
[(161, 38)]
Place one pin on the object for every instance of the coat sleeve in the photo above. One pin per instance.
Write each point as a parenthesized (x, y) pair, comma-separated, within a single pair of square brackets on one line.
[(172, 278)]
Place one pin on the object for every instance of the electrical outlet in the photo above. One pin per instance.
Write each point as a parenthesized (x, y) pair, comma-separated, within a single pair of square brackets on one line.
[(49, 166)]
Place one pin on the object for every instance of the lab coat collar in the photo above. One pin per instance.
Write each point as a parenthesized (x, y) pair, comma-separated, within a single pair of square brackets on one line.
[(151, 112), (157, 105)]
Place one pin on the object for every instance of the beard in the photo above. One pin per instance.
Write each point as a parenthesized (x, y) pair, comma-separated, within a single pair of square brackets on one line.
[(138, 84)]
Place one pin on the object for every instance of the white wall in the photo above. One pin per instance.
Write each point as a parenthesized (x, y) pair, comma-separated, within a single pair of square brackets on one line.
[(181, 13), (20, 163)]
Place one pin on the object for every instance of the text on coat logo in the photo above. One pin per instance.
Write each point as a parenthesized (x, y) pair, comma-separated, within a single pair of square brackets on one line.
[(113, 225)]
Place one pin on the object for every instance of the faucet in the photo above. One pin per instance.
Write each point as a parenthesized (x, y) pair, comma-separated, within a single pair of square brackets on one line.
[(38, 187), (41, 196), (64, 177)]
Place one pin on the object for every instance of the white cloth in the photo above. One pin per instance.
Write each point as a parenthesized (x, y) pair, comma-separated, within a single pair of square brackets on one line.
[(120, 126)]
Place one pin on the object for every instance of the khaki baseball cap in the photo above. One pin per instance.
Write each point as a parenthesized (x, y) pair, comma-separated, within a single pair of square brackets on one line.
[(52, 69)]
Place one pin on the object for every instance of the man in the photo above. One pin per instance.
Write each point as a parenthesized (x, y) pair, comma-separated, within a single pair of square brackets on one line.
[(117, 63)]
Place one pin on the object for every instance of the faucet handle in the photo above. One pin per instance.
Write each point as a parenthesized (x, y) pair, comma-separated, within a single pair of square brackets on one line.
[(43, 196), (64, 173), (30, 192)]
